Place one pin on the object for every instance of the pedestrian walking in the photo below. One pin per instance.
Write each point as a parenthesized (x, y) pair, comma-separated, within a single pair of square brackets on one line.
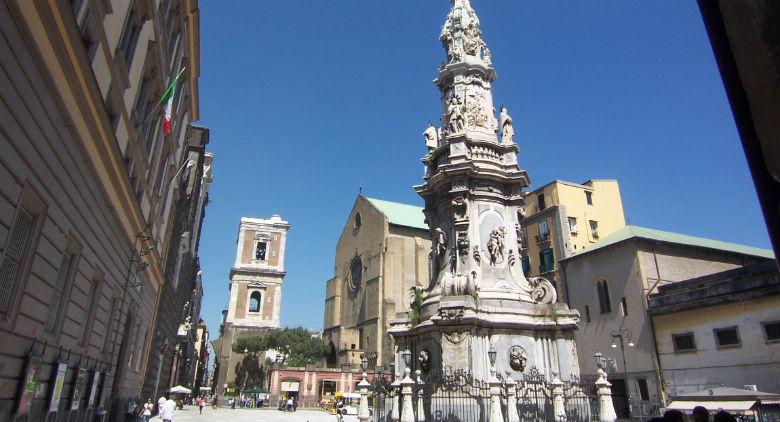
[(166, 412), (215, 402), (146, 412), (201, 403)]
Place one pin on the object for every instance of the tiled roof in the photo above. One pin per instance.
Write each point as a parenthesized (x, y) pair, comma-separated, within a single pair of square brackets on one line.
[(400, 214), (629, 232)]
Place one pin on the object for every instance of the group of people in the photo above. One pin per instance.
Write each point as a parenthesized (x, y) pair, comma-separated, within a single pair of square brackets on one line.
[(165, 405), (289, 405), (700, 414)]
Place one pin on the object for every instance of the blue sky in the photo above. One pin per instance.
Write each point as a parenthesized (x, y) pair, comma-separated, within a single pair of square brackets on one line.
[(307, 100)]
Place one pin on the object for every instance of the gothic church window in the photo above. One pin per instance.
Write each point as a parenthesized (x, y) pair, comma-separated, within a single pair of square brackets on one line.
[(254, 301), (603, 293), (260, 250)]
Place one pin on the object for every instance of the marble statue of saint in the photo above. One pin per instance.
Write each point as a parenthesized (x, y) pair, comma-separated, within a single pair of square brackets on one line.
[(507, 131), (431, 136), (455, 115)]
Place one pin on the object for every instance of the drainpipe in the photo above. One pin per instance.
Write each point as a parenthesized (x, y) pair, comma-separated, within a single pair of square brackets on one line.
[(656, 356)]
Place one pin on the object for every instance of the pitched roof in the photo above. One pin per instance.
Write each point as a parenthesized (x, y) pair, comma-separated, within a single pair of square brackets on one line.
[(400, 214), (629, 232)]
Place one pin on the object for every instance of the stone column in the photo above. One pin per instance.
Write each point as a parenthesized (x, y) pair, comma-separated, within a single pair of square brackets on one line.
[(396, 388), (511, 399), (420, 400), (559, 408), (606, 407), (363, 413), (495, 397), (407, 411)]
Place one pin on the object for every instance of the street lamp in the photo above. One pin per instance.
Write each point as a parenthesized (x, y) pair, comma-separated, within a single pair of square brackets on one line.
[(407, 357), (363, 363), (625, 338), (601, 361), (492, 355)]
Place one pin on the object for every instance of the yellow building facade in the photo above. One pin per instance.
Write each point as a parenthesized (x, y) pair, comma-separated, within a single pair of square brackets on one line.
[(562, 218)]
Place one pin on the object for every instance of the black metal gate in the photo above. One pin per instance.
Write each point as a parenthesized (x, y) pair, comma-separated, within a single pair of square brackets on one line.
[(455, 396), (381, 398), (580, 401), (534, 398)]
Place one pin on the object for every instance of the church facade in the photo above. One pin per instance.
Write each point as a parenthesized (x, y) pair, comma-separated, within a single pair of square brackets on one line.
[(380, 256)]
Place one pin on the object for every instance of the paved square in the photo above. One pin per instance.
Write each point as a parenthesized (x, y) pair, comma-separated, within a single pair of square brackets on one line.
[(190, 414)]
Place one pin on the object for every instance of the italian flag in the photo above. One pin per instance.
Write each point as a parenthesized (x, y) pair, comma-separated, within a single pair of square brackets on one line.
[(167, 100)]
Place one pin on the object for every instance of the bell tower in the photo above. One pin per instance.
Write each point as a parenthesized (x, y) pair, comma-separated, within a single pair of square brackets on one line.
[(257, 274)]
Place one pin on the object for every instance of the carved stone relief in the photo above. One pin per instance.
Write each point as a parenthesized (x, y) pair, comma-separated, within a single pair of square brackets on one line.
[(495, 245), (477, 110), (517, 358), (425, 360), (543, 290)]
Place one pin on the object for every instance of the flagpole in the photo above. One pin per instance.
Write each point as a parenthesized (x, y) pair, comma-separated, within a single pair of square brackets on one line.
[(158, 105)]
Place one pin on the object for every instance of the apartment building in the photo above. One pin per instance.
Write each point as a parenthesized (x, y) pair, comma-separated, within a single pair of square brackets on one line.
[(92, 182)]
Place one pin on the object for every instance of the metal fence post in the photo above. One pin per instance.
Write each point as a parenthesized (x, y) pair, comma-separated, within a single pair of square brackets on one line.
[(363, 415), (407, 411), (606, 407), (495, 397), (420, 400), (396, 389), (511, 399), (559, 407)]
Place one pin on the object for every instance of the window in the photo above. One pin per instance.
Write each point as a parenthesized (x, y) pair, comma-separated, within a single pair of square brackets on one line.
[(358, 221), (89, 310), (110, 324), (544, 232), (573, 225), (540, 198), (88, 38), (594, 229), (260, 250), (546, 261), (589, 198), (726, 337), (60, 291), (15, 255), (587, 313), (684, 342), (602, 289), (254, 301), (644, 392), (129, 38), (771, 331), (526, 261), (624, 306)]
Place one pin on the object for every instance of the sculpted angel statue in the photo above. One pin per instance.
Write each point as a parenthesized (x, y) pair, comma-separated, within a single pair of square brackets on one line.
[(507, 131)]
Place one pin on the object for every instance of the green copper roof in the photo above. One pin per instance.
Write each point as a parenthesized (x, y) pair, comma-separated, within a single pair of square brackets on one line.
[(628, 232), (400, 214)]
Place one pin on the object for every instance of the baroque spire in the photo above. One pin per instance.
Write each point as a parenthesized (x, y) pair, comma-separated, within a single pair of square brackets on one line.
[(461, 36)]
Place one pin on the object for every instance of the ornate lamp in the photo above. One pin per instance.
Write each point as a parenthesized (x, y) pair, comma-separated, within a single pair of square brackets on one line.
[(407, 357), (363, 363), (492, 355), (630, 340), (601, 361)]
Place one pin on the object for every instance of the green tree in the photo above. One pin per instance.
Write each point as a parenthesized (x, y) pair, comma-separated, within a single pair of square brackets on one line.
[(297, 344), (249, 372)]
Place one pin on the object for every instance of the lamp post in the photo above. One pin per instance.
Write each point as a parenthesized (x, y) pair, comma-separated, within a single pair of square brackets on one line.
[(495, 388), (363, 414), (407, 411), (625, 338)]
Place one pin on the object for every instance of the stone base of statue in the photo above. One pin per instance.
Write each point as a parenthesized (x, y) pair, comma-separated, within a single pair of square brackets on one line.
[(456, 333)]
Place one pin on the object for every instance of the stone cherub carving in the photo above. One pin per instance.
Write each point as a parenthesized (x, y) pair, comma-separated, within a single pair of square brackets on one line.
[(439, 247), (517, 358), (463, 245), (472, 42), (507, 131), (455, 119), (431, 135), (425, 360), (495, 244)]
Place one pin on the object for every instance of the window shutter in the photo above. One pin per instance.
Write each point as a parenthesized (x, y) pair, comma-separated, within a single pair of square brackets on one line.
[(56, 296), (14, 255)]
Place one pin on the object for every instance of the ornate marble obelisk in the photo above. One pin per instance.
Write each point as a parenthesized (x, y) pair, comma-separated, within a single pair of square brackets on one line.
[(477, 295)]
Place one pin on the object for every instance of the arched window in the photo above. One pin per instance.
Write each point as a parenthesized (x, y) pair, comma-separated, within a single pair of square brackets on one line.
[(254, 301), (603, 292)]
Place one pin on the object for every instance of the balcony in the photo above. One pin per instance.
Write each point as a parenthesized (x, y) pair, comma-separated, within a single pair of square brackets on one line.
[(542, 237)]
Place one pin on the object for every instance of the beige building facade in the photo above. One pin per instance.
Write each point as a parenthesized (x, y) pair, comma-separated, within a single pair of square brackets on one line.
[(381, 254), (609, 283), (563, 218), (255, 290), (719, 330), (87, 187)]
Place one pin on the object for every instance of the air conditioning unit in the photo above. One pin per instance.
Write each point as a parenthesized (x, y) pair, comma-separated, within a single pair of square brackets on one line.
[(751, 387)]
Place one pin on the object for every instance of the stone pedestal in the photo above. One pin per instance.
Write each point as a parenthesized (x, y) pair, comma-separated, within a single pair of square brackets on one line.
[(606, 406)]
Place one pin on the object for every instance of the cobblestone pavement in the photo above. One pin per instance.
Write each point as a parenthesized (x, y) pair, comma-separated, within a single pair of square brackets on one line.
[(190, 414)]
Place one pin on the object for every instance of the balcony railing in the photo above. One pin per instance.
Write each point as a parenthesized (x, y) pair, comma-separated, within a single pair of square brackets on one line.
[(542, 237)]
